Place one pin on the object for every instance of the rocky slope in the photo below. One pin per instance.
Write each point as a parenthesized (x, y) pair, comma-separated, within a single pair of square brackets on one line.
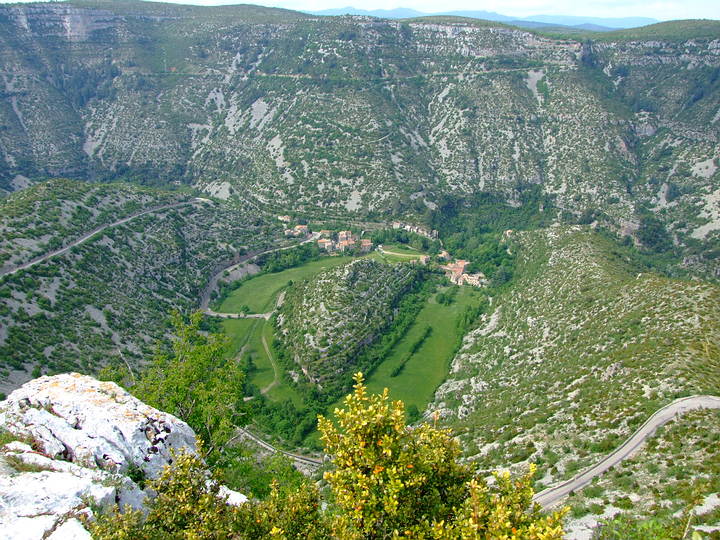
[(77, 446), (358, 114), (326, 322), (53, 214), (109, 297), (576, 355)]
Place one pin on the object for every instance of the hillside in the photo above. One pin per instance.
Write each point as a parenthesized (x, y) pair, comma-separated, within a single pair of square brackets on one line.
[(147, 147), (52, 215), (108, 298), (325, 322), (576, 355), (349, 114)]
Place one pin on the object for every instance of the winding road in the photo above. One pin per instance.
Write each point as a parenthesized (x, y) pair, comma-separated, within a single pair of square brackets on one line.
[(545, 498), (7, 271), (550, 496), (297, 458), (212, 284)]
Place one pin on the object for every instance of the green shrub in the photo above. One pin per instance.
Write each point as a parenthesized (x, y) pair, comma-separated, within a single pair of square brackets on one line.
[(388, 481)]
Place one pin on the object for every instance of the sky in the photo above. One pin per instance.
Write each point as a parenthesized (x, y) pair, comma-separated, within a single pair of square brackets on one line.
[(657, 9)]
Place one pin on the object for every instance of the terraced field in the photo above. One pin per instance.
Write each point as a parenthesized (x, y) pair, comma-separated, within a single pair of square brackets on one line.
[(325, 323)]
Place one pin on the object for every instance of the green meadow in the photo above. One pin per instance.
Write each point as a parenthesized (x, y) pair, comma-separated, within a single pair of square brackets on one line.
[(246, 337), (427, 368), (260, 293)]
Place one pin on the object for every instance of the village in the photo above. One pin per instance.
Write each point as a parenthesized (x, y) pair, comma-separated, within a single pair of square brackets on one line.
[(344, 241)]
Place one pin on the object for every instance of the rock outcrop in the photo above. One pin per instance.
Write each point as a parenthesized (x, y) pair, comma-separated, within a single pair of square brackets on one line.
[(81, 443)]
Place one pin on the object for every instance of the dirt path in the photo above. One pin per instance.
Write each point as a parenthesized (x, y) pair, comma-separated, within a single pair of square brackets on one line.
[(661, 417), (276, 370)]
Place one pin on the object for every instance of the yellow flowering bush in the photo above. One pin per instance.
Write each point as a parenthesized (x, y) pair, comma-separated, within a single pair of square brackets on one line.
[(391, 481), (388, 481)]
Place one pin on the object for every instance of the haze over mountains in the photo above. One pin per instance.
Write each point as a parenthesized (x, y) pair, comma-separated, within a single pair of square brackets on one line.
[(580, 22)]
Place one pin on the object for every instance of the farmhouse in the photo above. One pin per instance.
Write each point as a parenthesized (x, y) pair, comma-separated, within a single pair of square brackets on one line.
[(326, 244), (346, 244)]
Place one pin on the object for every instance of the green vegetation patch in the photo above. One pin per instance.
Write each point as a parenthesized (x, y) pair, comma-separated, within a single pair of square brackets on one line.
[(264, 375), (425, 369), (258, 294), (326, 322)]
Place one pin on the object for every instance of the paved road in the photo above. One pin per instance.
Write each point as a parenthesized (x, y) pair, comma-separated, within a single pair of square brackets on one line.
[(680, 406), (212, 284), (42, 258), (302, 460)]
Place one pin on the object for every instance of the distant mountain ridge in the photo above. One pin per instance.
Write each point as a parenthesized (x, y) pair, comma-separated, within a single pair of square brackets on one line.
[(587, 23), (363, 116)]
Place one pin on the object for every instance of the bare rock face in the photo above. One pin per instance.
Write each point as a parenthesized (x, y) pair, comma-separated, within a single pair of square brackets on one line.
[(81, 442), (94, 424)]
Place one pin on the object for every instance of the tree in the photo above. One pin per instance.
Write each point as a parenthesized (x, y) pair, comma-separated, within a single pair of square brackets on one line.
[(188, 500), (388, 481), (391, 481), (653, 234), (189, 504), (196, 383)]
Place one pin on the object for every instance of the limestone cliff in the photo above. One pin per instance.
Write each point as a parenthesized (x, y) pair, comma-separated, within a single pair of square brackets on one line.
[(80, 443)]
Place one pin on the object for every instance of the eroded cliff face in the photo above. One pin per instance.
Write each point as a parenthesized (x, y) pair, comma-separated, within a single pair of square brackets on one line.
[(353, 113), (80, 442)]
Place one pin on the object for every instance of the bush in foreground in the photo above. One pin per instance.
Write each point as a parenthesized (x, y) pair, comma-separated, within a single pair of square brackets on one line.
[(388, 481)]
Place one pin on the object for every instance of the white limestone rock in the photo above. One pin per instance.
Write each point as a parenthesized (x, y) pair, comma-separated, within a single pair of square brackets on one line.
[(84, 437), (94, 424), (232, 497), (70, 530), (126, 493), (28, 499)]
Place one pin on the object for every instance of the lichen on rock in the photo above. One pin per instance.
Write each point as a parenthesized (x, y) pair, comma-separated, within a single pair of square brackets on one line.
[(82, 443)]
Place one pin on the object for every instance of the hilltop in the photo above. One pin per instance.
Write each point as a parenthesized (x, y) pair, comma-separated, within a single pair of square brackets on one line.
[(326, 322)]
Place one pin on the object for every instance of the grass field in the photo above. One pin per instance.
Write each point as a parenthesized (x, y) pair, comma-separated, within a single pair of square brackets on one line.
[(402, 249), (427, 368), (399, 253), (247, 333), (246, 339), (423, 371), (259, 293)]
